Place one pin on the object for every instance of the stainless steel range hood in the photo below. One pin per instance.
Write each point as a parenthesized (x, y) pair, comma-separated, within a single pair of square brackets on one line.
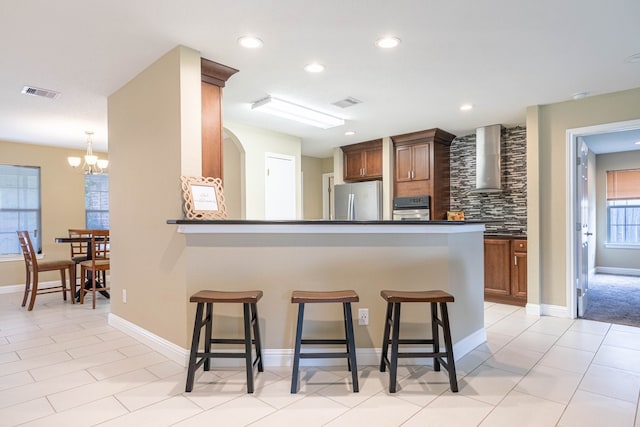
[(488, 173)]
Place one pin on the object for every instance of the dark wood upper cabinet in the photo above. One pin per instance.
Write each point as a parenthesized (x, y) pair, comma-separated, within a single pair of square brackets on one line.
[(213, 77), (422, 167), (363, 161)]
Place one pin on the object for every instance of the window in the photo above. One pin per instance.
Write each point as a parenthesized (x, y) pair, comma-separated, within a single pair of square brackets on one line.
[(19, 208), (623, 207), (96, 201)]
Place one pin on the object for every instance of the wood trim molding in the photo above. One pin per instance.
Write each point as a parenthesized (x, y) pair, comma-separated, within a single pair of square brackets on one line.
[(215, 73), (431, 135), (376, 143)]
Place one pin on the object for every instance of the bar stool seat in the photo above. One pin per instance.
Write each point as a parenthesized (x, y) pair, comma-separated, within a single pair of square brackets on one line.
[(346, 297), (392, 325), (249, 300)]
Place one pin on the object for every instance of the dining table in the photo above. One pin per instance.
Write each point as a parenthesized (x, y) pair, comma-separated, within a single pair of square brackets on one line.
[(88, 280)]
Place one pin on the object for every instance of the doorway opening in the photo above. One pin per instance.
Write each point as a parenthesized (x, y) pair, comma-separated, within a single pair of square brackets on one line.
[(590, 293)]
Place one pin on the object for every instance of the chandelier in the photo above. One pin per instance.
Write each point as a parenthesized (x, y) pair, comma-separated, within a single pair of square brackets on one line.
[(91, 164)]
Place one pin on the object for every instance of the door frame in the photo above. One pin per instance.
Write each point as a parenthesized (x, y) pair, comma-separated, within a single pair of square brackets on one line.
[(572, 208)]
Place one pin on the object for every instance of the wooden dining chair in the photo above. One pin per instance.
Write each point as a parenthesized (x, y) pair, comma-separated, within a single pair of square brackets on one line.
[(98, 263), (34, 268)]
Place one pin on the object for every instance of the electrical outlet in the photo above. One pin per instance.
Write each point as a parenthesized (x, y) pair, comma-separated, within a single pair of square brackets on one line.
[(124, 296), (363, 316)]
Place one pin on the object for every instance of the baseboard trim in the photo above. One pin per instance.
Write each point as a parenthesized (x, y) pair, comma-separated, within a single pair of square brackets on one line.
[(283, 357), (168, 349), (555, 311), (10, 289), (533, 309), (621, 271)]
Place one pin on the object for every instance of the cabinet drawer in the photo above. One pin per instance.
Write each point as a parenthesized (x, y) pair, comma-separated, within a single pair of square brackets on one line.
[(519, 246)]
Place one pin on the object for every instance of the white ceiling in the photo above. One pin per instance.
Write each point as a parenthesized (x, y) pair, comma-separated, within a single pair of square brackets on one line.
[(500, 55)]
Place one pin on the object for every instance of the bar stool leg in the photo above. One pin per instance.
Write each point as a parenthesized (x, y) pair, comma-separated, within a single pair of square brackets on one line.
[(435, 335), (256, 336), (247, 347), (195, 341), (395, 340), (296, 354), (385, 338), (207, 333), (346, 333), (451, 364), (351, 346)]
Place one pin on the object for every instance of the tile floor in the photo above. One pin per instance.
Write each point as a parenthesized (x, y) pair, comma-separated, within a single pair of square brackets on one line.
[(63, 365)]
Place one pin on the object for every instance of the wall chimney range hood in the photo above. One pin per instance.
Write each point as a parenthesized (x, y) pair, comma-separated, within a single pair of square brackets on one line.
[(488, 171)]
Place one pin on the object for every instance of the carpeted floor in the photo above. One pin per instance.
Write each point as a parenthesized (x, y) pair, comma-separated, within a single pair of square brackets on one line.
[(614, 299)]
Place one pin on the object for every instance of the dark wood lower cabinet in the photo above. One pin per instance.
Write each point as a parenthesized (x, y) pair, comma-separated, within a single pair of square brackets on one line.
[(505, 271)]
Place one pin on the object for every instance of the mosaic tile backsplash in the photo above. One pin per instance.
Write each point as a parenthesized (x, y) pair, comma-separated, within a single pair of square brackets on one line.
[(508, 208)]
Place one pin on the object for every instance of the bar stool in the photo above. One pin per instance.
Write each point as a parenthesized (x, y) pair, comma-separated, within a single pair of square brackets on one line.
[(248, 299), (394, 299), (346, 298)]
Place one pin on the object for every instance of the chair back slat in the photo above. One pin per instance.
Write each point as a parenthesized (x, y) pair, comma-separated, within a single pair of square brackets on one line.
[(29, 254), (100, 244), (79, 249)]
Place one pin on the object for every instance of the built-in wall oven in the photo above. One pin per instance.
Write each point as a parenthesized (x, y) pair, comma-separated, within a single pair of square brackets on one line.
[(414, 208)]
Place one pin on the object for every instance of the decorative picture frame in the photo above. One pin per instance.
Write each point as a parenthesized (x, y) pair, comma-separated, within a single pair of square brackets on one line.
[(203, 198)]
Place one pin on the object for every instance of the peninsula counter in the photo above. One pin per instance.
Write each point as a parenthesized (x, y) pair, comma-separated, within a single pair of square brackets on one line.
[(278, 257)]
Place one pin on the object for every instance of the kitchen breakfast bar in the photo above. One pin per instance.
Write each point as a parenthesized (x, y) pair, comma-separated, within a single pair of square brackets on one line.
[(278, 257)]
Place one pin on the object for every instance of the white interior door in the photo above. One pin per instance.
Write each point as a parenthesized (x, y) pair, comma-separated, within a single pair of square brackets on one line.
[(280, 187), (328, 210), (582, 238)]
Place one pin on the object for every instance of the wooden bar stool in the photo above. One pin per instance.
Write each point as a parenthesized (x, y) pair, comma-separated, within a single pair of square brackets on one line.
[(249, 300), (346, 298), (392, 321)]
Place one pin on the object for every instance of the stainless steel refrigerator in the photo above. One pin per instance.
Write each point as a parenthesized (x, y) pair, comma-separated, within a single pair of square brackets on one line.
[(359, 201)]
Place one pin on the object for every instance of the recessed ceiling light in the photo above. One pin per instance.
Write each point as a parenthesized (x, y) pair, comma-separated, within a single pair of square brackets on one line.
[(637, 143), (387, 42), (466, 107), (633, 58), (580, 95), (353, 132), (250, 42), (314, 67)]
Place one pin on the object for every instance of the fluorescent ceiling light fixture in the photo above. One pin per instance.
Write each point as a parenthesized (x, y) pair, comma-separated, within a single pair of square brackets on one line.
[(466, 107), (314, 67), (387, 42), (298, 113), (250, 42)]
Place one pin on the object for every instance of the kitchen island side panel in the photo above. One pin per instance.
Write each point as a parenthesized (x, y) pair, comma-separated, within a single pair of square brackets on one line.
[(368, 263)]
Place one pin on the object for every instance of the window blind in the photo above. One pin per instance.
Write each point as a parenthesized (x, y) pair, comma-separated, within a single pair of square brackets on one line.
[(623, 184)]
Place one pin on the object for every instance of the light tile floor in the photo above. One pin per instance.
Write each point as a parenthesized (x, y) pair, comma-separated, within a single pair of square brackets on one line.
[(64, 365)]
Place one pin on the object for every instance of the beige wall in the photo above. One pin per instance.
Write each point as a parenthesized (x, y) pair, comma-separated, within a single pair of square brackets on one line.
[(62, 192), (312, 187), (256, 143), (233, 180), (609, 257), (547, 176), (157, 112)]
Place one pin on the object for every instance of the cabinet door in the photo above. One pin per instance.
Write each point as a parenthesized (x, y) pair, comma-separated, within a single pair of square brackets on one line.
[(497, 267), (373, 163), (403, 163), (519, 269), (421, 160), (353, 165)]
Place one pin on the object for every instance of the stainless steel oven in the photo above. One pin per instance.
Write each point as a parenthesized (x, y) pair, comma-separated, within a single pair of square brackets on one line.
[(414, 208)]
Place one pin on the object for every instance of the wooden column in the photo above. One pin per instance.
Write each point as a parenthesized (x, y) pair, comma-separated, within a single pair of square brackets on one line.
[(214, 76)]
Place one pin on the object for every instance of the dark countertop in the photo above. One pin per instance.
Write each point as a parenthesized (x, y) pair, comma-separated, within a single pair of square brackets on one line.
[(319, 221), (505, 235)]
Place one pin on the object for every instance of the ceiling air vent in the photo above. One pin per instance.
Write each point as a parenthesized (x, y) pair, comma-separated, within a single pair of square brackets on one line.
[(347, 102), (36, 91)]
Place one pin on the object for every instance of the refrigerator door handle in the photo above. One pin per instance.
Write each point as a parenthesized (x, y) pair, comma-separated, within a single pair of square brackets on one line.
[(350, 213)]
